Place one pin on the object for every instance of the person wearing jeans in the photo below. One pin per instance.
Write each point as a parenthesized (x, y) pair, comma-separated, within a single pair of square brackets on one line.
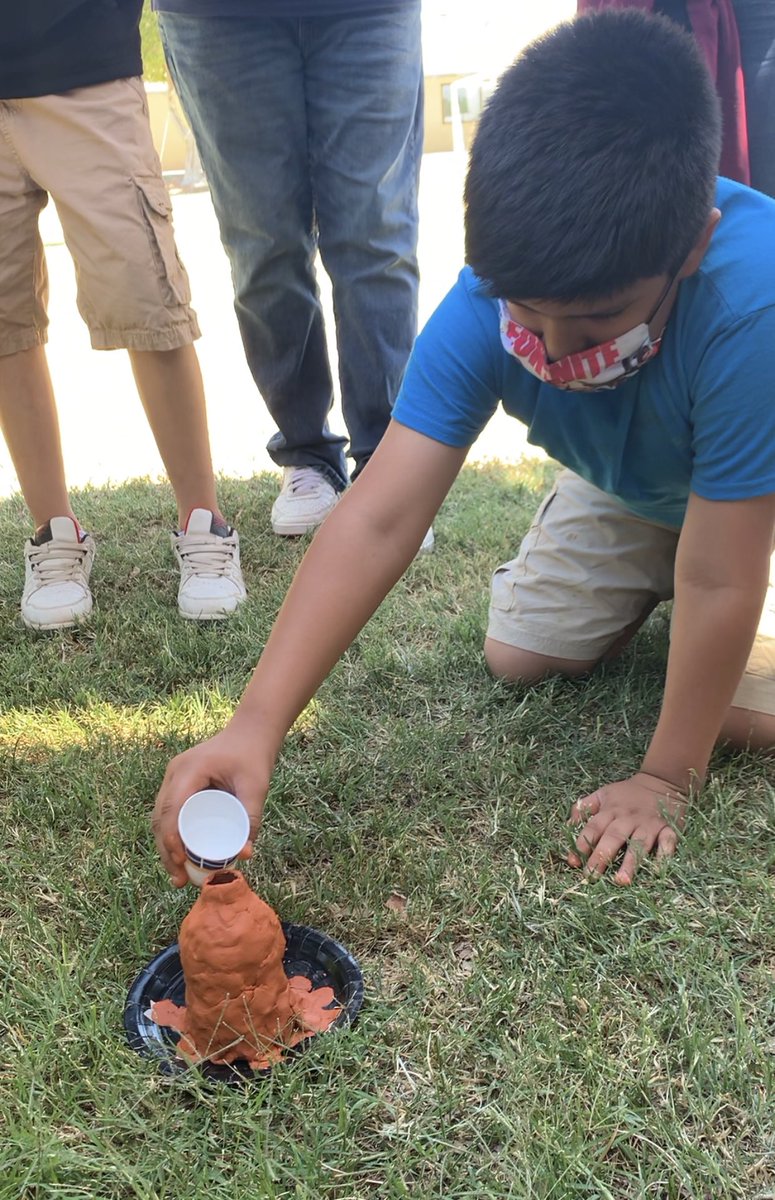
[(756, 29), (308, 119)]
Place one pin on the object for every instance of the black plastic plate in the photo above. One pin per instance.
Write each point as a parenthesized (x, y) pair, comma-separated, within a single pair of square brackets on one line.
[(308, 952)]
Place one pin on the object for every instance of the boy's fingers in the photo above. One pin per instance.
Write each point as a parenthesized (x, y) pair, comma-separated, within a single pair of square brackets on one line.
[(163, 844), (172, 848), (585, 842), (588, 806), (605, 852), (590, 835), (666, 843), (252, 795), (164, 822), (626, 873), (165, 830), (208, 765), (172, 861), (641, 844), (585, 846)]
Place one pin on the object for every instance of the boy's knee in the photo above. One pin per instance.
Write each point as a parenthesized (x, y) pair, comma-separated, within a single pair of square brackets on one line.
[(514, 665), (744, 729)]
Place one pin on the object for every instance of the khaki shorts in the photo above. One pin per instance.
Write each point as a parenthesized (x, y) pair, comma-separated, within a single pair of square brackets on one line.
[(91, 150), (586, 570)]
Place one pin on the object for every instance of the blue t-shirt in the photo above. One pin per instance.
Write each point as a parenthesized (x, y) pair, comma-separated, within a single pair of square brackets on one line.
[(699, 417)]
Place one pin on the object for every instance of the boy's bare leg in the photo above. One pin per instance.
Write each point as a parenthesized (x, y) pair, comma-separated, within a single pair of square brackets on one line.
[(744, 729), (525, 666), (170, 387), (28, 418), (172, 393), (56, 590)]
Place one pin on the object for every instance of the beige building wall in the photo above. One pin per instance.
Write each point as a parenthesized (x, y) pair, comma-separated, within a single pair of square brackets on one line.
[(167, 127), (438, 132)]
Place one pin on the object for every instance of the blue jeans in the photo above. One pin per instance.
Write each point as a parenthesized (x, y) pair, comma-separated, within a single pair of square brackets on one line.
[(310, 132), (756, 26)]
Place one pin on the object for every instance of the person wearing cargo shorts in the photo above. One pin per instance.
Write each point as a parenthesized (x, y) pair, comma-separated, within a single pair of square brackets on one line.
[(588, 573), (74, 126)]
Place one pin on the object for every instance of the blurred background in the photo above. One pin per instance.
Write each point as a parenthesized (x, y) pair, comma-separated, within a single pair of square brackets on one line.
[(465, 49)]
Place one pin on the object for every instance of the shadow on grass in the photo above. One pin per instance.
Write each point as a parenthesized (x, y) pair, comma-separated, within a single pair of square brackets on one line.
[(136, 647), (525, 1035)]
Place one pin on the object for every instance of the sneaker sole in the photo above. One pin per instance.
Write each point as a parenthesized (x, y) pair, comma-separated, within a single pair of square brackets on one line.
[(51, 626), (297, 529), (223, 615), (290, 528)]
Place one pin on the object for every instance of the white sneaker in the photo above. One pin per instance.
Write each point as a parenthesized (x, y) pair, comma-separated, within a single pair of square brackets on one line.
[(211, 583), (306, 498), (428, 542), (56, 586)]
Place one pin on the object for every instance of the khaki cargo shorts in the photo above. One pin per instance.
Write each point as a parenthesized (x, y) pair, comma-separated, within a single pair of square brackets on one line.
[(90, 149), (587, 569)]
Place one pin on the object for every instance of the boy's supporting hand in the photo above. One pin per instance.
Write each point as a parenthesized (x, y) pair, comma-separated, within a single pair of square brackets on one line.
[(643, 813), (232, 761)]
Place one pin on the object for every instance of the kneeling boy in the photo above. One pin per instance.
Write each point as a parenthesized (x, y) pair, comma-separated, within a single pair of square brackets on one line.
[(620, 301)]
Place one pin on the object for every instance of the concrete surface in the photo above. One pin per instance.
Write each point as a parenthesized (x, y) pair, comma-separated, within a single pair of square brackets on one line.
[(104, 433)]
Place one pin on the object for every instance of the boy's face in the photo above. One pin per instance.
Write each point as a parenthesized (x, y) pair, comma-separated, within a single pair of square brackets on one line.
[(571, 328)]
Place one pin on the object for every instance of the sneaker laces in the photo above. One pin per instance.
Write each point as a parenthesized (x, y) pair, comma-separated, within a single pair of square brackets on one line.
[(306, 481), (57, 562), (207, 553)]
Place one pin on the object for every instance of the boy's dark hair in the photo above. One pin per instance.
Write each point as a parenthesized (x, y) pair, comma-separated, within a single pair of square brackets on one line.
[(595, 161)]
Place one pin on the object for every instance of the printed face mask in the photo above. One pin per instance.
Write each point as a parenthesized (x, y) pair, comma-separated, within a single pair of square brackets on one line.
[(600, 367)]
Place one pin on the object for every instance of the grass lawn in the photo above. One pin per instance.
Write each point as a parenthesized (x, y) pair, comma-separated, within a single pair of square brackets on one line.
[(525, 1035)]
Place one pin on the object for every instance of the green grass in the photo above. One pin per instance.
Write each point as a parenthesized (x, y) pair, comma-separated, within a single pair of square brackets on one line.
[(154, 67), (525, 1035)]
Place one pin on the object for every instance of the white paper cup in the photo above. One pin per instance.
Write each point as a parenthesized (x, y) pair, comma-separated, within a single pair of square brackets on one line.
[(213, 827)]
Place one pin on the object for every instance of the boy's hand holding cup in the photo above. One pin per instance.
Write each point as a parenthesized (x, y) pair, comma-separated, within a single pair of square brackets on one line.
[(214, 828), (231, 764)]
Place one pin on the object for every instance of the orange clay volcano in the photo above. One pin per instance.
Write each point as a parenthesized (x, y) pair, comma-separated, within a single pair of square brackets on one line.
[(239, 1002)]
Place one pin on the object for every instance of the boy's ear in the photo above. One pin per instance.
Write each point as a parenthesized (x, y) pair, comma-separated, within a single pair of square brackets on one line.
[(697, 253)]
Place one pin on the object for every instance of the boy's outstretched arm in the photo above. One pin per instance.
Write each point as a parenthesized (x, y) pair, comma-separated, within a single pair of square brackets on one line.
[(361, 550), (720, 583)]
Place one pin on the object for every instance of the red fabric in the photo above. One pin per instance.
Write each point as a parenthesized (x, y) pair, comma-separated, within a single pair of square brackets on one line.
[(715, 27)]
